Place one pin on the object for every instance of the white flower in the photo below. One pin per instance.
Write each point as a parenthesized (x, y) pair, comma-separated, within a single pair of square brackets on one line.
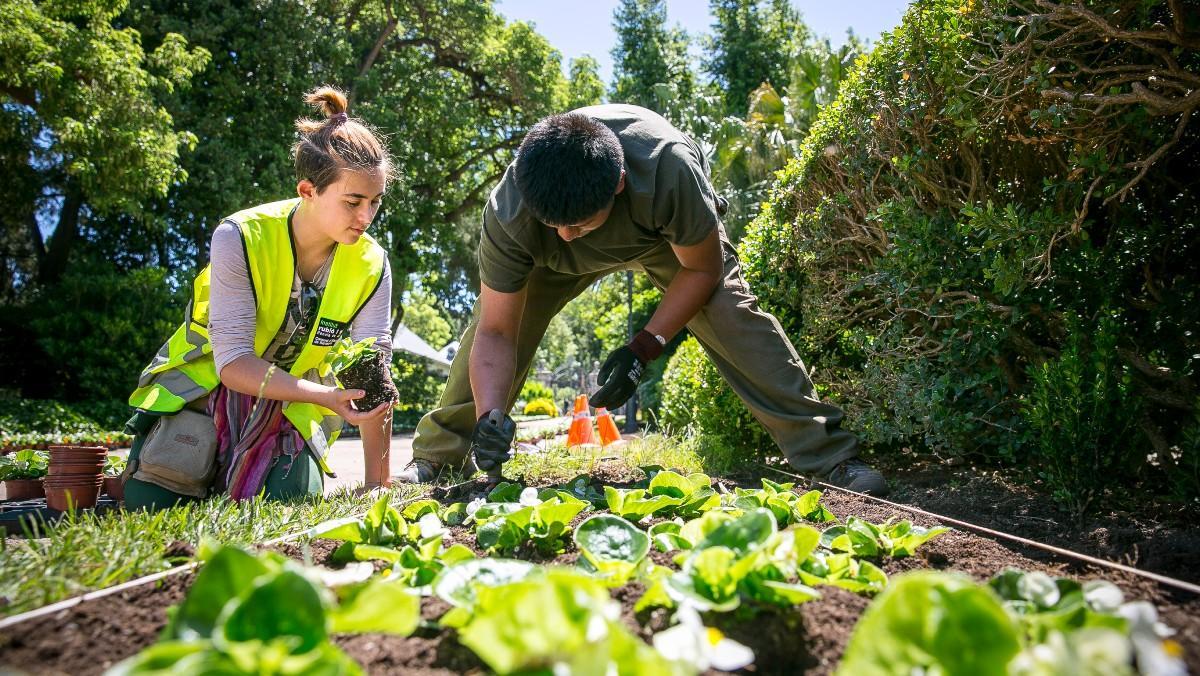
[(704, 647), (1039, 588), (1102, 596), (431, 525), (529, 497), (474, 505), (358, 571), (1154, 655)]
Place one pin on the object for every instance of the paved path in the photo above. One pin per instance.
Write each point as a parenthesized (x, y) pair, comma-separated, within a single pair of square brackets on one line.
[(346, 459)]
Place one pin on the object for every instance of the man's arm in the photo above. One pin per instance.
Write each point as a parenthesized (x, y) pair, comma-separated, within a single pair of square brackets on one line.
[(494, 353), (699, 273)]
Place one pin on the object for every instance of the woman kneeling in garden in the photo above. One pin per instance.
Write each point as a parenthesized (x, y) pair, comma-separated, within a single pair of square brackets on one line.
[(242, 398)]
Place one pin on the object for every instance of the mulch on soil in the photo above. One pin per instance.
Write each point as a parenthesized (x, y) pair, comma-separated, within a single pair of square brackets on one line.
[(811, 639)]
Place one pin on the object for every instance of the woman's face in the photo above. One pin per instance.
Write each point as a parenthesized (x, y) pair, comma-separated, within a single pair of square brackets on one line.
[(345, 208)]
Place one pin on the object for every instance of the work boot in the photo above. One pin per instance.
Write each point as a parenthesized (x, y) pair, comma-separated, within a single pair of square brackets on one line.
[(419, 471), (858, 476)]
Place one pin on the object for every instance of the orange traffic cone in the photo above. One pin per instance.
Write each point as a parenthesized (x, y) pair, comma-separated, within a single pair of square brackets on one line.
[(606, 426), (581, 427)]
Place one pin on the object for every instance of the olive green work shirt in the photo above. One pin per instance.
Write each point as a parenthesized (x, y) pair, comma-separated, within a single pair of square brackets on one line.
[(667, 196)]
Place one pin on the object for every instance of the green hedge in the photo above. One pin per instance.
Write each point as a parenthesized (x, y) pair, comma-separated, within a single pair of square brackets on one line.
[(989, 247), (696, 399)]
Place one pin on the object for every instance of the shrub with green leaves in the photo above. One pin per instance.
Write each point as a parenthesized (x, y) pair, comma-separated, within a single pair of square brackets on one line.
[(541, 406), (696, 398), (947, 253)]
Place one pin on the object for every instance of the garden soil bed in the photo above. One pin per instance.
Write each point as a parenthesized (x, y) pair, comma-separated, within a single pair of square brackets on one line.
[(89, 638)]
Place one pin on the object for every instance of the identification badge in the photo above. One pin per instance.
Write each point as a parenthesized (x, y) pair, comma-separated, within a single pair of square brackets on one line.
[(329, 331)]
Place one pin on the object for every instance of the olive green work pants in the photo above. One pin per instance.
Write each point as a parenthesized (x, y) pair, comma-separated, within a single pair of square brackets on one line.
[(747, 345)]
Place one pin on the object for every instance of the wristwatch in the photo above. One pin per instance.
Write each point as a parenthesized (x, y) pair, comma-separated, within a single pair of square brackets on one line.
[(661, 341)]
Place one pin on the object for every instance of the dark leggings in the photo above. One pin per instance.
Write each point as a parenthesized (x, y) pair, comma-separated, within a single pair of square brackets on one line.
[(303, 480)]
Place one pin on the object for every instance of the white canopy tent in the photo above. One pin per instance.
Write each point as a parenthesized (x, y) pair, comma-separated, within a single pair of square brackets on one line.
[(408, 342)]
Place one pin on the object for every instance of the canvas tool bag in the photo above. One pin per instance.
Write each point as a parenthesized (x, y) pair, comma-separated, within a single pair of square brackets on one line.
[(180, 453)]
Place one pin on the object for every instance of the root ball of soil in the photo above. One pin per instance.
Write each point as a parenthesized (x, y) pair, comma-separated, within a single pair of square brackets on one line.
[(371, 374)]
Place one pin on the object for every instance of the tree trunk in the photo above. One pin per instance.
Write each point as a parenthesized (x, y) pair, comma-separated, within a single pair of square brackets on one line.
[(52, 266)]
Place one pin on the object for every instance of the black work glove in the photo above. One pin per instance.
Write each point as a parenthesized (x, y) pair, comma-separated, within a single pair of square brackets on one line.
[(491, 442), (622, 371)]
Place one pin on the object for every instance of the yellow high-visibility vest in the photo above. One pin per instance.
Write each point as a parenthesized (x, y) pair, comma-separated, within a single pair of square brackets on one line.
[(183, 370)]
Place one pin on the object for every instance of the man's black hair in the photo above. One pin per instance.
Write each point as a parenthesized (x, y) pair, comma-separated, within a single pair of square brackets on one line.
[(568, 168)]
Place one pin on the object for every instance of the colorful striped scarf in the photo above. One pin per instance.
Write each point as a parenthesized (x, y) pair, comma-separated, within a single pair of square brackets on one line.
[(249, 439)]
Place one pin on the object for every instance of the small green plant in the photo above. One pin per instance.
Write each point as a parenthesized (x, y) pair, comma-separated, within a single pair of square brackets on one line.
[(863, 538), (735, 560), (785, 504), (114, 465), (374, 536), (24, 464), (345, 354), (544, 523), (558, 620), (267, 614), (611, 547)]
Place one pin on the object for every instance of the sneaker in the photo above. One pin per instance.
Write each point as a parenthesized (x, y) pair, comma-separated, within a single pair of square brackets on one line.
[(419, 471), (858, 476)]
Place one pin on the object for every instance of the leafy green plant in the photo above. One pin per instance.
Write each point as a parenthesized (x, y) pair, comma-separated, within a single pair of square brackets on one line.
[(785, 504), (373, 536), (417, 565), (345, 354), (267, 614), (24, 464), (560, 620), (933, 622), (611, 547), (845, 571), (114, 465), (863, 538), (1034, 624), (544, 524), (744, 558)]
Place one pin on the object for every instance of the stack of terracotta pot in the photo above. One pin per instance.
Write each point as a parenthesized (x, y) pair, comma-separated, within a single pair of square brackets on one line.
[(76, 475)]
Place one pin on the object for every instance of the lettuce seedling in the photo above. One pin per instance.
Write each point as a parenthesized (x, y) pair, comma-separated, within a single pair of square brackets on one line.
[(381, 528), (545, 525), (736, 559), (788, 507), (611, 547), (694, 492), (561, 621), (636, 504), (933, 622), (843, 570), (863, 538), (457, 584), (666, 536), (417, 566), (267, 614), (1045, 604)]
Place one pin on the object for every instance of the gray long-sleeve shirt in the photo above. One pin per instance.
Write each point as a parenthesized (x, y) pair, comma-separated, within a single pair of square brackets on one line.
[(231, 310)]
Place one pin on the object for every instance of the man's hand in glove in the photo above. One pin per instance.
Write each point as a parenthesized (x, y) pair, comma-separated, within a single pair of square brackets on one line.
[(622, 371), (492, 441)]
